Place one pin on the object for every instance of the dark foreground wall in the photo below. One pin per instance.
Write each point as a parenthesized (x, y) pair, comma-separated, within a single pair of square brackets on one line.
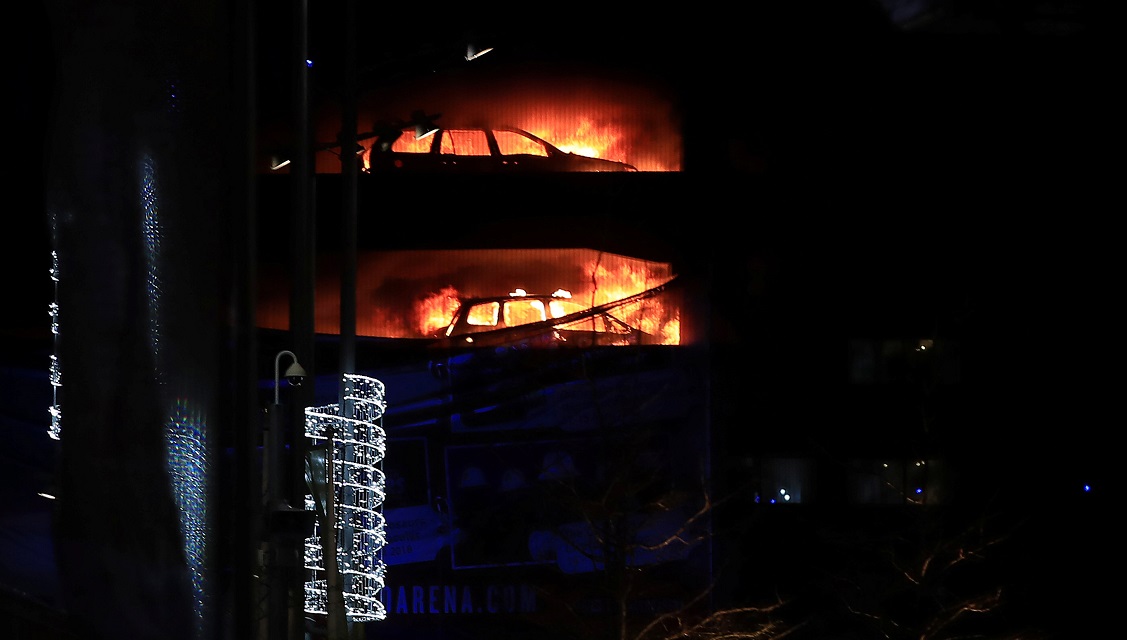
[(144, 138)]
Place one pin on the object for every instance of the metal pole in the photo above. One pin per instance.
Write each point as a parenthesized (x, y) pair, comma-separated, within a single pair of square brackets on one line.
[(276, 551), (247, 531), (301, 312), (349, 169)]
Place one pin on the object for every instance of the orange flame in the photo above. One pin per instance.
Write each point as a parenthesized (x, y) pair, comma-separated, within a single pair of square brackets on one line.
[(585, 139), (435, 311), (637, 124), (414, 294), (649, 315)]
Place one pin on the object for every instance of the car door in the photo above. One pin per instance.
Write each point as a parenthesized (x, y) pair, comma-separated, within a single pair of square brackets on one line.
[(518, 152), (465, 150)]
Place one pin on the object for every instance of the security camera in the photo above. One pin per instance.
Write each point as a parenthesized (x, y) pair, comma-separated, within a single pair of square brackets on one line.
[(295, 373)]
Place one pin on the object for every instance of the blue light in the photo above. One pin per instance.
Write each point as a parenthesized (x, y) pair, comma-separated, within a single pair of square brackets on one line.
[(308, 63), (919, 490), (1087, 488)]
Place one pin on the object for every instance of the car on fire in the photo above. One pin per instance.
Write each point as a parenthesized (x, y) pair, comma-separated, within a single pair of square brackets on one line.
[(509, 360), (531, 320), (474, 150)]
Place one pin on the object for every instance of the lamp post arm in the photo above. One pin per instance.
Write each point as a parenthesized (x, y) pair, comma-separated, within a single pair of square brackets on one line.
[(277, 372)]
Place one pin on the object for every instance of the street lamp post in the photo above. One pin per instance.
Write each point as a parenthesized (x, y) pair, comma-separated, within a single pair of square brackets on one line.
[(349, 169), (286, 525), (295, 373)]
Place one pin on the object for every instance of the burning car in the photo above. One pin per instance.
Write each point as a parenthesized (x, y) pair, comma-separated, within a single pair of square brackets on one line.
[(474, 150), (523, 319), (514, 361)]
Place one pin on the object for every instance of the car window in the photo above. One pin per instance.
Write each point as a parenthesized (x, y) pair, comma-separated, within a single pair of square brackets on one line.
[(560, 307), (407, 143), (483, 315), (512, 143), (464, 142), (518, 312)]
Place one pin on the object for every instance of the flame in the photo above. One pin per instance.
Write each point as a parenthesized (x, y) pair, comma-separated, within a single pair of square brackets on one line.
[(436, 310), (626, 280), (585, 138), (632, 122), (671, 332), (649, 315), (414, 294)]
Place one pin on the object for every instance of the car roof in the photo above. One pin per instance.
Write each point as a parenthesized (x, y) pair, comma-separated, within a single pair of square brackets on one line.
[(507, 298)]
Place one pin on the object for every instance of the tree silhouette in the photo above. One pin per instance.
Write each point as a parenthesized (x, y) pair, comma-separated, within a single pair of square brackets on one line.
[(640, 528)]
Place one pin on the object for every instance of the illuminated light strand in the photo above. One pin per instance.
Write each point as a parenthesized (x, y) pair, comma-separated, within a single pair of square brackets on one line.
[(359, 489), (186, 428), (53, 311), (55, 428), (188, 469), (152, 232), (186, 453)]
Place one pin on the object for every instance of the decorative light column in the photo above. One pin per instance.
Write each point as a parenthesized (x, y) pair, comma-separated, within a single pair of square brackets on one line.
[(354, 451), (55, 431)]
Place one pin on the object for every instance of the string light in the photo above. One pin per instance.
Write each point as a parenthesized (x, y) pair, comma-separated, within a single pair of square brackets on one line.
[(55, 430), (358, 444)]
